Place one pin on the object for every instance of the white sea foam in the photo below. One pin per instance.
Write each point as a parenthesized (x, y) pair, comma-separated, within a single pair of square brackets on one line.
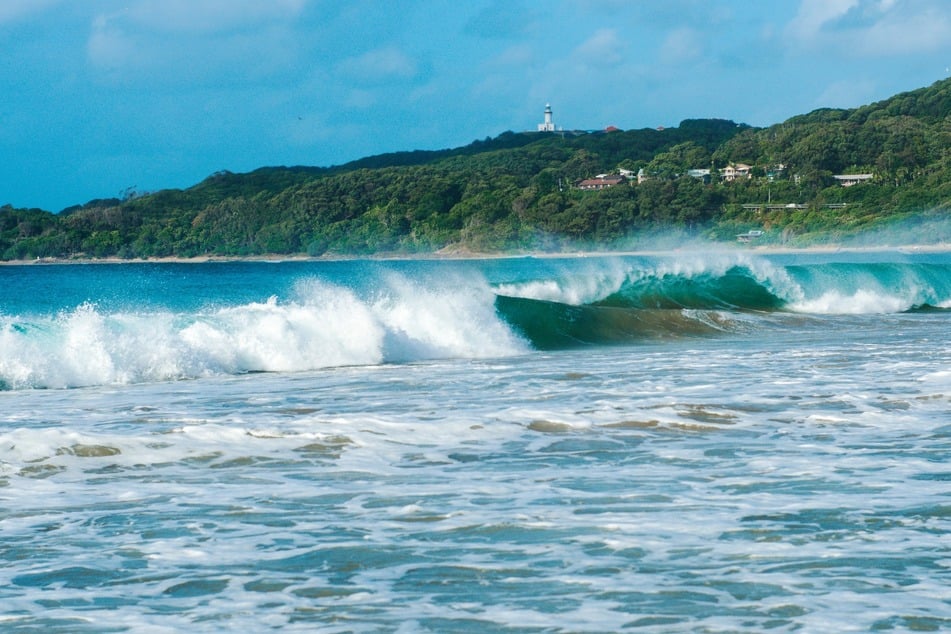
[(583, 282), (593, 280), (690, 483), (422, 322), (333, 328), (861, 302), (794, 480), (324, 325)]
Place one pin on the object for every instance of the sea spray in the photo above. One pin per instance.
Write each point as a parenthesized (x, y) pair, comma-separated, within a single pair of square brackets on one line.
[(333, 328), (682, 281), (453, 317), (574, 282), (728, 469), (198, 321), (320, 325), (869, 288)]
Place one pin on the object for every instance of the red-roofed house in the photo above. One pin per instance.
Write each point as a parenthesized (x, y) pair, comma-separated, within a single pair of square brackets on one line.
[(601, 182)]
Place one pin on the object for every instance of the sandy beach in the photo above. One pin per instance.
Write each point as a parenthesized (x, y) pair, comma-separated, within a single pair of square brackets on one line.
[(466, 254)]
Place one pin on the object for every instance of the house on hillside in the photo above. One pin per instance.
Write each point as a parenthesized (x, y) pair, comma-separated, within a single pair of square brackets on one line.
[(847, 180), (700, 174), (602, 181), (775, 172), (735, 171), (749, 236)]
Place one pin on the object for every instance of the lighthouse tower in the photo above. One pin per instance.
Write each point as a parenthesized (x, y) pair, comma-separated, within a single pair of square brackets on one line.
[(547, 126)]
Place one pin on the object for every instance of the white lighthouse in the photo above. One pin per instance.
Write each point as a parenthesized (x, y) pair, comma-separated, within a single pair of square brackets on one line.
[(547, 126)]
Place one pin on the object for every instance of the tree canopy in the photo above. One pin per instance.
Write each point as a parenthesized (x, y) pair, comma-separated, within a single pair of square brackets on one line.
[(518, 191)]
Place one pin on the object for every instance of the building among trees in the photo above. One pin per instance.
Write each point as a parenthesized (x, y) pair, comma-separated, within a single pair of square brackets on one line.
[(601, 181), (847, 180), (547, 125)]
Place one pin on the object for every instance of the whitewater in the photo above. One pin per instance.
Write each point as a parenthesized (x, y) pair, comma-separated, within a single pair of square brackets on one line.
[(710, 441)]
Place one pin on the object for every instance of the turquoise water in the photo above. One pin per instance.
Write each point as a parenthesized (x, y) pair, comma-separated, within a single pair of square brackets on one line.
[(709, 442)]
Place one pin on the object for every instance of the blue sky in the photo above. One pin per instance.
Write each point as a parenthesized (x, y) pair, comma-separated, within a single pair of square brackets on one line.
[(103, 95)]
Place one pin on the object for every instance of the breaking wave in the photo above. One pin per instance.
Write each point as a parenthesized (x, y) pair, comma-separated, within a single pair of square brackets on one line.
[(696, 296), (454, 311), (323, 326)]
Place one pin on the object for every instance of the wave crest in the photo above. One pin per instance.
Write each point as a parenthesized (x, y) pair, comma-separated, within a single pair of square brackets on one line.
[(323, 325)]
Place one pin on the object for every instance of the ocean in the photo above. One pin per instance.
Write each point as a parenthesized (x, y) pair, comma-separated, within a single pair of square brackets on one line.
[(709, 441)]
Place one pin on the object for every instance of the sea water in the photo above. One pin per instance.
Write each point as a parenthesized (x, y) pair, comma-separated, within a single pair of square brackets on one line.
[(689, 442)]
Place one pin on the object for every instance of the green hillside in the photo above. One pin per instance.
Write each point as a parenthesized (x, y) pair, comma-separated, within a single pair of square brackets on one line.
[(519, 191)]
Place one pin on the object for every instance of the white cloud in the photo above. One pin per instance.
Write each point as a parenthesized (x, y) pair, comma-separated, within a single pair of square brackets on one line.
[(189, 41), (846, 93), (901, 32), (681, 45), (209, 16), (601, 49), (379, 65), (814, 14), (360, 99), (108, 46), (12, 10), (502, 19), (871, 28), (520, 55)]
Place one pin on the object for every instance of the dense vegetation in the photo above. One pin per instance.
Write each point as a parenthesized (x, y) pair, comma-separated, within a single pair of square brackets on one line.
[(517, 191)]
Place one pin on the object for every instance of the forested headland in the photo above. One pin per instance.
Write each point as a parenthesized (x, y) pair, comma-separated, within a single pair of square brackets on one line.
[(707, 178)]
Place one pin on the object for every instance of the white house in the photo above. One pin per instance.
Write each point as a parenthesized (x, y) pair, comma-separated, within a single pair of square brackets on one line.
[(734, 171), (847, 180)]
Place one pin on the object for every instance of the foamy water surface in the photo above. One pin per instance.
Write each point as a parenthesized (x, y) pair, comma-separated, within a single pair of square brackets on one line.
[(409, 461)]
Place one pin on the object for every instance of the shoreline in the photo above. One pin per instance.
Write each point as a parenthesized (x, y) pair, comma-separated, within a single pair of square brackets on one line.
[(908, 249)]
